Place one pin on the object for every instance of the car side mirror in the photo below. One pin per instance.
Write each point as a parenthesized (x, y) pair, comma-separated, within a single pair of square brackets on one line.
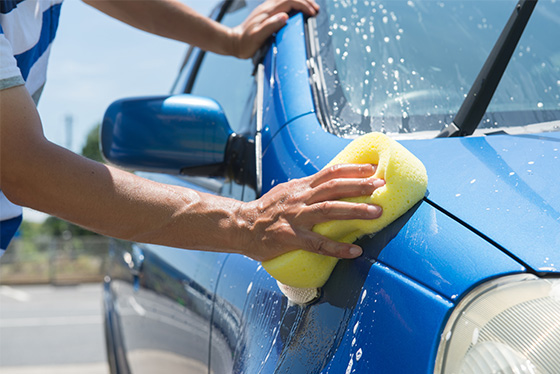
[(180, 134)]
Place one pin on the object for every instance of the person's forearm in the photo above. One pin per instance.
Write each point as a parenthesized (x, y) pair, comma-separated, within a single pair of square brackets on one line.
[(39, 174), (171, 19), (175, 20), (116, 203)]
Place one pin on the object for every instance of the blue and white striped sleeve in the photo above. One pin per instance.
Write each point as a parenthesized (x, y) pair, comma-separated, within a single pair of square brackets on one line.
[(10, 75)]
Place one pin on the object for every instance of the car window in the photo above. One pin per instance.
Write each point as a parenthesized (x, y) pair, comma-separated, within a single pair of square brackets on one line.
[(217, 72)]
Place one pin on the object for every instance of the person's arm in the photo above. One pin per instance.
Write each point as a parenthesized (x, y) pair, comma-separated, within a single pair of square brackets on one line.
[(41, 175), (175, 20)]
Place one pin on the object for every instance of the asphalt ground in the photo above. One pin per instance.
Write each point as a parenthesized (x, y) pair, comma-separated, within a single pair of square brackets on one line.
[(52, 329)]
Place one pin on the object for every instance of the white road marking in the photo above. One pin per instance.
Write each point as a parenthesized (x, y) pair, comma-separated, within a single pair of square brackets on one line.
[(50, 321), (15, 294), (96, 368), (137, 307)]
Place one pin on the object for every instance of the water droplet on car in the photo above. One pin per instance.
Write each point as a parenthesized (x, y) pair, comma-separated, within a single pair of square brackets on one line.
[(356, 327), (349, 367), (359, 354)]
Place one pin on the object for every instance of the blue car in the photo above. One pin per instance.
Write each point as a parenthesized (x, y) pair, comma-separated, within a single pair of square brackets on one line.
[(467, 281)]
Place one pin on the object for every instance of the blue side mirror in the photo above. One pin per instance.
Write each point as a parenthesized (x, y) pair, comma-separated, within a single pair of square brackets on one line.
[(170, 134)]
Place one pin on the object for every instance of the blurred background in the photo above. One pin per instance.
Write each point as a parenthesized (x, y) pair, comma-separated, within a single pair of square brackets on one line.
[(50, 276)]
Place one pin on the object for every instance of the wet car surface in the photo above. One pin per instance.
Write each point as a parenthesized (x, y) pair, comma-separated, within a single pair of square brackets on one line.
[(467, 277)]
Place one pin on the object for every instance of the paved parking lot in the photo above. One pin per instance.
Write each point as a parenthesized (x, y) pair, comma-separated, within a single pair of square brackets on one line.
[(50, 329)]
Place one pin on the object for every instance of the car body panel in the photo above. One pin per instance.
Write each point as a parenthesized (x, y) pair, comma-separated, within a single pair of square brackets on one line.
[(390, 306), (164, 316), (287, 93), (514, 193), (374, 304), (234, 287), (448, 264)]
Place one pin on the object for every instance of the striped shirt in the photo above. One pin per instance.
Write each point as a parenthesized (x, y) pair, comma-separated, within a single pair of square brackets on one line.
[(27, 30)]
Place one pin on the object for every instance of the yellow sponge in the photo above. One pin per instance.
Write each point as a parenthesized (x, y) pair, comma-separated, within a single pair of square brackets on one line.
[(405, 184)]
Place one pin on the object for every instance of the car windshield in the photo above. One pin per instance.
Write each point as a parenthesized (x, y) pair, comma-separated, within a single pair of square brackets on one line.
[(405, 67)]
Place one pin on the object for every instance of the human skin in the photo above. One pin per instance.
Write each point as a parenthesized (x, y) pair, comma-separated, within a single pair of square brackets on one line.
[(182, 23)]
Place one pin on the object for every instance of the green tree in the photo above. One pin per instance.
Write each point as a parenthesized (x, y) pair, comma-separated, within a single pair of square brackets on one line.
[(55, 226), (91, 149)]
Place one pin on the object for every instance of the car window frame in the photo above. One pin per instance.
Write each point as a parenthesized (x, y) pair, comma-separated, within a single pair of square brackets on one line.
[(184, 83)]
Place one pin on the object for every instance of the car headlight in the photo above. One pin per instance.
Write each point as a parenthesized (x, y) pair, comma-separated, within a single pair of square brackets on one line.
[(508, 325)]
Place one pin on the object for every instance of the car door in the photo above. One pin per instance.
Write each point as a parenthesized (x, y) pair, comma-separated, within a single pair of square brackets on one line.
[(163, 301)]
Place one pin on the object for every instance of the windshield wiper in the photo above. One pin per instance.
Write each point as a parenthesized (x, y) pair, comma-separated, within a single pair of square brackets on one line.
[(473, 108)]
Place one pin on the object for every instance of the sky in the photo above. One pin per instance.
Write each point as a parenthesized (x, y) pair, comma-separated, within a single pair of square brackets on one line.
[(96, 60)]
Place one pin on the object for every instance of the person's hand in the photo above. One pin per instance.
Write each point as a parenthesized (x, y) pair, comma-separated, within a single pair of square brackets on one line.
[(282, 219), (265, 20)]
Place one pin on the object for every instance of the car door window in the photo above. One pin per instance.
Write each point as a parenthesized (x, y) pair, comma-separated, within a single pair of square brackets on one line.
[(218, 72)]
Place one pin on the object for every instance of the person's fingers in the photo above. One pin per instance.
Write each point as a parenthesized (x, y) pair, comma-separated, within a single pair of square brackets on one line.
[(265, 27), (265, 20), (307, 7), (252, 33), (337, 189), (338, 210), (316, 243), (314, 5), (342, 171), (254, 20)]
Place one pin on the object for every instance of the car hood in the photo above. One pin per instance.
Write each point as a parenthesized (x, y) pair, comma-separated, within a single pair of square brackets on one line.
[(503, 187)]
